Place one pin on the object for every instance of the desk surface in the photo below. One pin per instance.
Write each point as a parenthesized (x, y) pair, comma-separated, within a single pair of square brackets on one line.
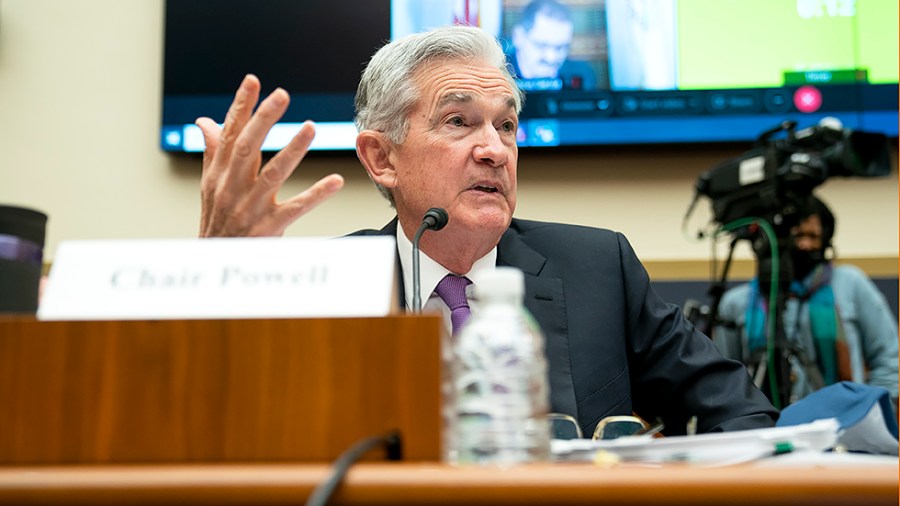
[(418, 483)]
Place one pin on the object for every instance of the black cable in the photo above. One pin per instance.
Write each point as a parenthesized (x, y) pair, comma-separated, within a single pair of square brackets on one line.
[(393, 450)]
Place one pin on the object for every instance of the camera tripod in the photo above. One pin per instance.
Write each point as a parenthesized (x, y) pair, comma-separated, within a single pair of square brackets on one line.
[(771, 367)]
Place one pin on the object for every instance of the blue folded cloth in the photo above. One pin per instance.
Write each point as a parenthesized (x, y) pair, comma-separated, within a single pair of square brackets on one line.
[(864, 413)]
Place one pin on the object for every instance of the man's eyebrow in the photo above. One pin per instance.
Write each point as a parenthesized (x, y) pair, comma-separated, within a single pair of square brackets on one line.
[(455, 98), (462, 98), (450, 98)]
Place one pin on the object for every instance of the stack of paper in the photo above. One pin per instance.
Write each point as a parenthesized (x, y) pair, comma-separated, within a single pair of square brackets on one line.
[(715, 449)]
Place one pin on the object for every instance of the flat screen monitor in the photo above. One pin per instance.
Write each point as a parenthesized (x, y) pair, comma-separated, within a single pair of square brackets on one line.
[(594, 72)]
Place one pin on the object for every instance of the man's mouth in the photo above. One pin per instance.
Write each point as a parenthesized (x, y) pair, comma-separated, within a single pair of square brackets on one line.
[(488, 189)]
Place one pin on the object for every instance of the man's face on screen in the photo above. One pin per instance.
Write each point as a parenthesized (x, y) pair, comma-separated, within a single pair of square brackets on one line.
[(541, 51), (460, 152)]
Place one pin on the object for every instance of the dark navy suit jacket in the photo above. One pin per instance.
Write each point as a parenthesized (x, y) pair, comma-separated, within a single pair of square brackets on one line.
[(613, 346)]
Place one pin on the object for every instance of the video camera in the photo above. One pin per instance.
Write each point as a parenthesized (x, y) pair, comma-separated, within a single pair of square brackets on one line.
[(771, 180)]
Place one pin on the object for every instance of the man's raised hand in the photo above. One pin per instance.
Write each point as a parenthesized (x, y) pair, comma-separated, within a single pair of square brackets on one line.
[(238, 199)]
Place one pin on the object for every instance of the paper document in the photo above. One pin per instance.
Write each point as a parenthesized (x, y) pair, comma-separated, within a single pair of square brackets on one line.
[(715, 449)]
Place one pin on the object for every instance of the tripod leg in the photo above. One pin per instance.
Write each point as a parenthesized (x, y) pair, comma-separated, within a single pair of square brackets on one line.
[(758, 372)]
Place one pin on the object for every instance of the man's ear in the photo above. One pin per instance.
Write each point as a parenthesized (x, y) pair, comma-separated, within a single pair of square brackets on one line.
[(374, 151)]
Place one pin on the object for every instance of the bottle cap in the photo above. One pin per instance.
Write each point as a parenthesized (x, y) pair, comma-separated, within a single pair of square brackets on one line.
[(501, 283)]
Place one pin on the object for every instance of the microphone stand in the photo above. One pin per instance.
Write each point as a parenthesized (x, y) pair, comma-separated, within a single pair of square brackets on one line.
[(417, 283), (435, 219)]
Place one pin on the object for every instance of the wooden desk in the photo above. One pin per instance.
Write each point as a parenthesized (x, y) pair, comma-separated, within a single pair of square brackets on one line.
[(431, 483), (186, 391), (81, 401)]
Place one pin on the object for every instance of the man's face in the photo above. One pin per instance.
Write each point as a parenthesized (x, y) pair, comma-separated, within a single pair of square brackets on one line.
[(808, 234), (460, 151), (807, 252), (541, 51)]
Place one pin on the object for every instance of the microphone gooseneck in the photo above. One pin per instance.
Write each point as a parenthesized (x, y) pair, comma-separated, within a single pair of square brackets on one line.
[(435, 219)]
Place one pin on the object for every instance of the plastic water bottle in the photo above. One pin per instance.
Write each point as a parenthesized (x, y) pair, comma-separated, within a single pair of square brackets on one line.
[(499, 392)]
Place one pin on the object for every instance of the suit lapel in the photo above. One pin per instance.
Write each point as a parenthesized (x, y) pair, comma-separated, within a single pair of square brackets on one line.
[(391, 230), (545, 299)]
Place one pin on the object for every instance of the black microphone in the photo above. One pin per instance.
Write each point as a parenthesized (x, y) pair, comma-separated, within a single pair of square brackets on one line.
[(435, 219)]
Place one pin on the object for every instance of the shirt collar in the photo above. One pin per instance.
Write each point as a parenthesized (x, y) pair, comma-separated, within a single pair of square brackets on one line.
[(431, 272)]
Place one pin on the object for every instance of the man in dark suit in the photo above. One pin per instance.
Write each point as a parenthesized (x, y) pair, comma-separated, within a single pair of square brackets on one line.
[(437, 115), (539, 51)]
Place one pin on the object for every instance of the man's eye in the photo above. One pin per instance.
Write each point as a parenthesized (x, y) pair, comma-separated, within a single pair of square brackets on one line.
[(508, 126), (457, 121)]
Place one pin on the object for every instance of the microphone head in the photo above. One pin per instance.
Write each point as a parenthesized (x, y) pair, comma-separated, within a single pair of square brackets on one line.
[(436, 217)]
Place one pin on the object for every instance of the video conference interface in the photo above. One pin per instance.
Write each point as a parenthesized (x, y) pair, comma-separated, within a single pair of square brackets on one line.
[(594, 72)]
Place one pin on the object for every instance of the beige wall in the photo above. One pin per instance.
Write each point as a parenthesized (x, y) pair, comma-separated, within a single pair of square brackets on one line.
[(80, 85)]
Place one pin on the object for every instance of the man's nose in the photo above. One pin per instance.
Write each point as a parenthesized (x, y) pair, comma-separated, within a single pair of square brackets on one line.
[(805, 243), (552, 54), (490, 148)]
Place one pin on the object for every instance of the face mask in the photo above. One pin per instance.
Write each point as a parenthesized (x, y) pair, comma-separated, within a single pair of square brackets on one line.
[(805, 261)]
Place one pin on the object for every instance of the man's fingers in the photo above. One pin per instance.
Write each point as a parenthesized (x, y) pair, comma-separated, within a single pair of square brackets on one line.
[(211, 133), (250, 140), (239, 112), (306, 201), (282, 165)]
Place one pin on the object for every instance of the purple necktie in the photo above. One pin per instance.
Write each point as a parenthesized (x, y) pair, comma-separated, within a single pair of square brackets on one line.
[(452, 289)]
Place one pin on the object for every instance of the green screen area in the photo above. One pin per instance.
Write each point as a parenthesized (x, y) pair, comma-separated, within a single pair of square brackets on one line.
[(750, 44), (879, 38)]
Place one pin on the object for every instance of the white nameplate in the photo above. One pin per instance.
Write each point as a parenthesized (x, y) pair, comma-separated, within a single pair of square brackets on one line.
[(221, 278)]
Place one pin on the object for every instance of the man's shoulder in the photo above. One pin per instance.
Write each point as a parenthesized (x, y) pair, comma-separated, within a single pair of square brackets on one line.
[(366, 231), (848, 271), (565, 241), (735, 300), (389, 229), (577, 66), (572, 69), (550, 230), (849, 280)]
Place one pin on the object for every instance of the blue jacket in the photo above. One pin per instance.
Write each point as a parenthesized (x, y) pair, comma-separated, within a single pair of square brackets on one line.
[(869, 327)]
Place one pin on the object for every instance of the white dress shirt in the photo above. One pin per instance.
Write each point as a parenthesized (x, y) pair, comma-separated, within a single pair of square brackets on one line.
[(431, 273)]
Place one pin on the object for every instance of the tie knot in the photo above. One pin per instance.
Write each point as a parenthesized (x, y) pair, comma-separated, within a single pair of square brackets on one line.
[(452, 289)]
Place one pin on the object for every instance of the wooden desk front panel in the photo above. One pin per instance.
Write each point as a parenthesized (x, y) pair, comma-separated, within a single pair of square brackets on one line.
[(434, 484), (216, 391)]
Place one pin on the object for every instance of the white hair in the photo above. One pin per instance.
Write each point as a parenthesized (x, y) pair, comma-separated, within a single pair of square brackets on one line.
[(387, 92)]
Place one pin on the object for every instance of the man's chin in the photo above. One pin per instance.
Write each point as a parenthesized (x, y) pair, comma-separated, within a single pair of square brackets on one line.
[(483, 220)]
